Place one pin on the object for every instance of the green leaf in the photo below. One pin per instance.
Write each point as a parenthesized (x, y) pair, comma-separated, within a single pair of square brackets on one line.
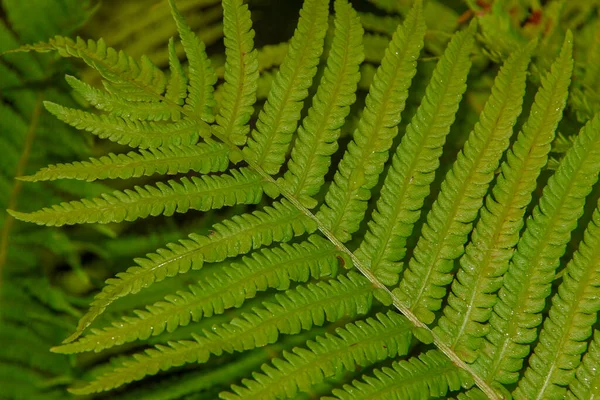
[(202, 77), (290, 313), (528, 281), (430, 375), (229, 287), (363, 161), (487, 256), (413, 167), (279, 222), (143, 134), (278, 119), (317, 137), (198, 193), (203, 158), (360, 343), (568, 326), (241, 73)]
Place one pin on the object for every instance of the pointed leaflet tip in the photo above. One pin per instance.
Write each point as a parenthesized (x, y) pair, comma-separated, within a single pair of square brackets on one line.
[(21, 216)]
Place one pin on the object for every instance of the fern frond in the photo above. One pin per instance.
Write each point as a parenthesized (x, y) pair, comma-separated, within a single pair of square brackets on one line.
[(198, 193), (430, 375), (279, 222), (178, 81), (203, 158), (241, 73), (202, 77), (360, 343), (117, 106), (527, 283), (278, 119), (290, 313), (143, 134), (229, 287), (587, 379), (116, 67), (413, 166), (363, 161), (565, 332), (450, 220), (493, 240), (317, 137)]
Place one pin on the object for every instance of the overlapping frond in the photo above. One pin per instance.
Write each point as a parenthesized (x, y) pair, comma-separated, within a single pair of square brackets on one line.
[(527, 283), (203, 158), (279, 222), (226, 288), (363, 161), (564, 335), (241, 73), (317, 137), (278, 119), (413, 167), (492, 243), (360, 343), (430, 375)]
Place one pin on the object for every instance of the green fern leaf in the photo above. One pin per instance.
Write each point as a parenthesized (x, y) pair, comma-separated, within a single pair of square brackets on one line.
[(317, 137), (178, 81), (413, 166), (117, 106), (229, 287), (569, 324), (346, 199), (143, 134), (431, 375), (243, 233), (202, 77), (450, 220), (493, 240), (586, 384), (241, 73), (204, 193), (517, 313), (290, 313), (360, 343), (278, 119), (203, 158), (144, 79)]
